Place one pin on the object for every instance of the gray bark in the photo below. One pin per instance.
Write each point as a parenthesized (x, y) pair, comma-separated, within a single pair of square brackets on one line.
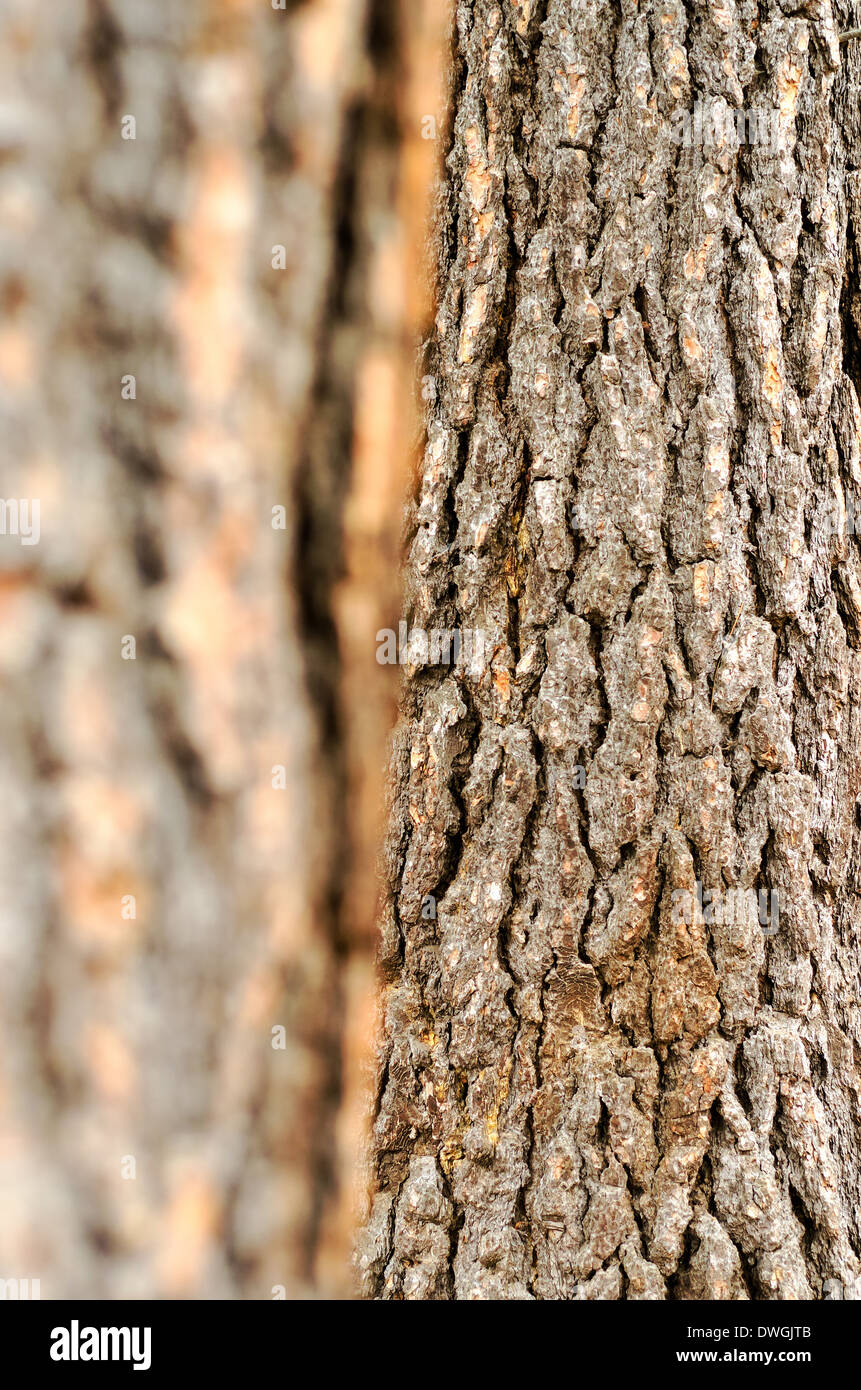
[(645, 422)]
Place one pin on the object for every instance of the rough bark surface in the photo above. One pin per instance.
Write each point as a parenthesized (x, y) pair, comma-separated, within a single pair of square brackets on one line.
[(646, 367), (153, 1141)]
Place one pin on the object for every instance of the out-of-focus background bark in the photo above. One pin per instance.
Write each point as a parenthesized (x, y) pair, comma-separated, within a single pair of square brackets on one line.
[(189, 819)]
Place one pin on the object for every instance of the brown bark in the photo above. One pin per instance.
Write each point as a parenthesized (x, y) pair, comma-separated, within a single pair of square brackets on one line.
[(170, 896), (601, 1075)]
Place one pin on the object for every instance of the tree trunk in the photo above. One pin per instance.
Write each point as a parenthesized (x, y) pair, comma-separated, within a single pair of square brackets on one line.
[(621, 1040), (207, 290)]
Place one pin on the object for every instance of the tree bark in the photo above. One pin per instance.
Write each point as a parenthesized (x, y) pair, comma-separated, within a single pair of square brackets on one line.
[(208, 271), (602, 1076)]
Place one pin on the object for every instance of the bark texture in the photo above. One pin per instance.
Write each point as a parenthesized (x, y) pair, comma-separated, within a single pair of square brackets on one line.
[(183, 834), (644, 416)]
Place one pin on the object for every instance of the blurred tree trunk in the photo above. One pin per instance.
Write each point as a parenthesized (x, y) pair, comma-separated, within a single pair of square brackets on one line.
[(210, 275), (601, 1075)]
